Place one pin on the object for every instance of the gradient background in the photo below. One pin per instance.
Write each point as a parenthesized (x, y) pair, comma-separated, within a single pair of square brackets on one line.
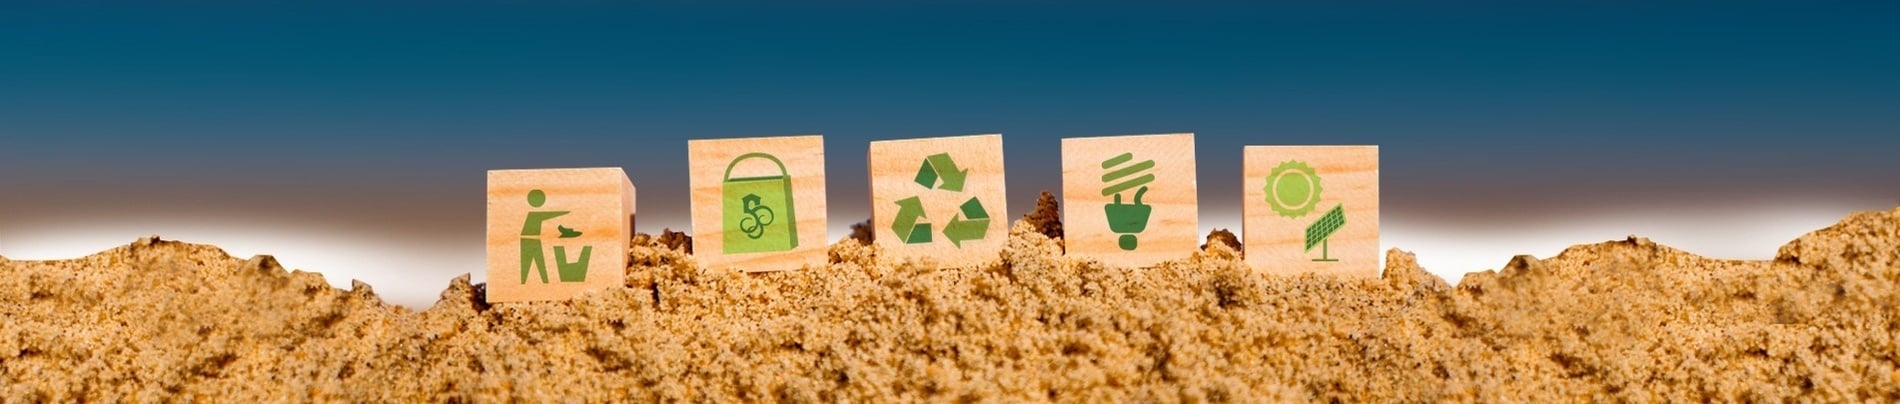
[(352, 138)]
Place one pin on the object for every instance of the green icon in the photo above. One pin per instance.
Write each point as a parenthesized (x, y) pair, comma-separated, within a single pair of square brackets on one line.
[(1319, 232), (752, 206), (1127, 219), (941, 166), (1292, 189), (909, 212), (977, 225), (534, 257), (939, 171)]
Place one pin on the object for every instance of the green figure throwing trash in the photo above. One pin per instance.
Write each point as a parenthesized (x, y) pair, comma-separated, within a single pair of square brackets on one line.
[(531, 253)]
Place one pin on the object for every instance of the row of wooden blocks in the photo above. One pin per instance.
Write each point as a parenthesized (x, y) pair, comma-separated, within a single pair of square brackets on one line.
[(758, 204)]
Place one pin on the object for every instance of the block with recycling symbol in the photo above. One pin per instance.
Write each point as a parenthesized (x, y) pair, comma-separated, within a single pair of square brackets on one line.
[(556, 233), (1130, 200), (941, 198), (1311, 209), (758, 203)]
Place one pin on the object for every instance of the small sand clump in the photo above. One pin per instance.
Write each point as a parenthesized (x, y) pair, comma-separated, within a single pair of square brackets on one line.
[(1613, 321), (1224, 238)]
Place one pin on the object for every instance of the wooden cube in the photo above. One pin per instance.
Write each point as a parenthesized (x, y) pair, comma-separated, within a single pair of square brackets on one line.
[(759, 203), (1312, 209), (941, 198), (556, 233), (1130, 200)]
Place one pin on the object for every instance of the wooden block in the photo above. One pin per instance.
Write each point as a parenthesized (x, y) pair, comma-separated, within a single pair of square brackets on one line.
[(1312, 209), (1152, 176), (759, 203), (941, 198), (554, 234)]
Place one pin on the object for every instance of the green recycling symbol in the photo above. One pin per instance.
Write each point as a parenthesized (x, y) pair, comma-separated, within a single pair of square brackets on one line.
[(940, 172)]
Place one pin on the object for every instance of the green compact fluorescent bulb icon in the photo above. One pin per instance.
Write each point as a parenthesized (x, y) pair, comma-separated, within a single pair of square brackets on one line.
[(1127, 219)]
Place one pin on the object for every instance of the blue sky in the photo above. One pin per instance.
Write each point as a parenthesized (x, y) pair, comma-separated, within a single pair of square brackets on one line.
[(367, 118)]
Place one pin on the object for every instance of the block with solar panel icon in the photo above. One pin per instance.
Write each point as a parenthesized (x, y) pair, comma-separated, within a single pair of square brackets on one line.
[(1311, 209), (1130, 200)]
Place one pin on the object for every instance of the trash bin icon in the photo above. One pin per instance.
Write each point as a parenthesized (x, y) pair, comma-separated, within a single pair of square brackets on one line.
[(758, 214)]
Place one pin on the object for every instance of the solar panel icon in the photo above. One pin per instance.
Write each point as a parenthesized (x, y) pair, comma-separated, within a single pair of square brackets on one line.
[(1319, 231)]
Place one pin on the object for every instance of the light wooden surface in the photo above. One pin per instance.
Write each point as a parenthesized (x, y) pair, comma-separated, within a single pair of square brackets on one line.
[(1173, 226), (804, 160), (894, 166), (600, 205), (1348, 177)]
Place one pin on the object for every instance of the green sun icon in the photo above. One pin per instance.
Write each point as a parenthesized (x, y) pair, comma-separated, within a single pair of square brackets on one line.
[(1293, 189)]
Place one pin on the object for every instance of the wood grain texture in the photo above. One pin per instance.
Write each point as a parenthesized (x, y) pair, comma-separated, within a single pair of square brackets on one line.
[(1174, 219), (600, 206), (1348, 177), (894, 168), (804, 162)]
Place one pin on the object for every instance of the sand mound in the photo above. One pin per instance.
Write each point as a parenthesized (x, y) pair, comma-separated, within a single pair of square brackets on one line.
[(1624, 319)]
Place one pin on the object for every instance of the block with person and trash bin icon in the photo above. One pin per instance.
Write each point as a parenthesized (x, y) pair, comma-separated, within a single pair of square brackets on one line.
[(555, 233)]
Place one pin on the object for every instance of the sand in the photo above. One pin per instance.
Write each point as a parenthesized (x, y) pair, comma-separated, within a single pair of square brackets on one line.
[(1618, 320)]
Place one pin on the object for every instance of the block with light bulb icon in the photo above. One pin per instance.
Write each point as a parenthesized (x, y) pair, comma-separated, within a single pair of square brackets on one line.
[(1130, 200)]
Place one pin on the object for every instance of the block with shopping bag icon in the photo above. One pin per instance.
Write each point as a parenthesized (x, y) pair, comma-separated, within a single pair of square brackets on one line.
[(557, 233), (758, 203)]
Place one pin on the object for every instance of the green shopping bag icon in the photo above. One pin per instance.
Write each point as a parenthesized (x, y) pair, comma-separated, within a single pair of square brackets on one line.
[(758, 210)]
